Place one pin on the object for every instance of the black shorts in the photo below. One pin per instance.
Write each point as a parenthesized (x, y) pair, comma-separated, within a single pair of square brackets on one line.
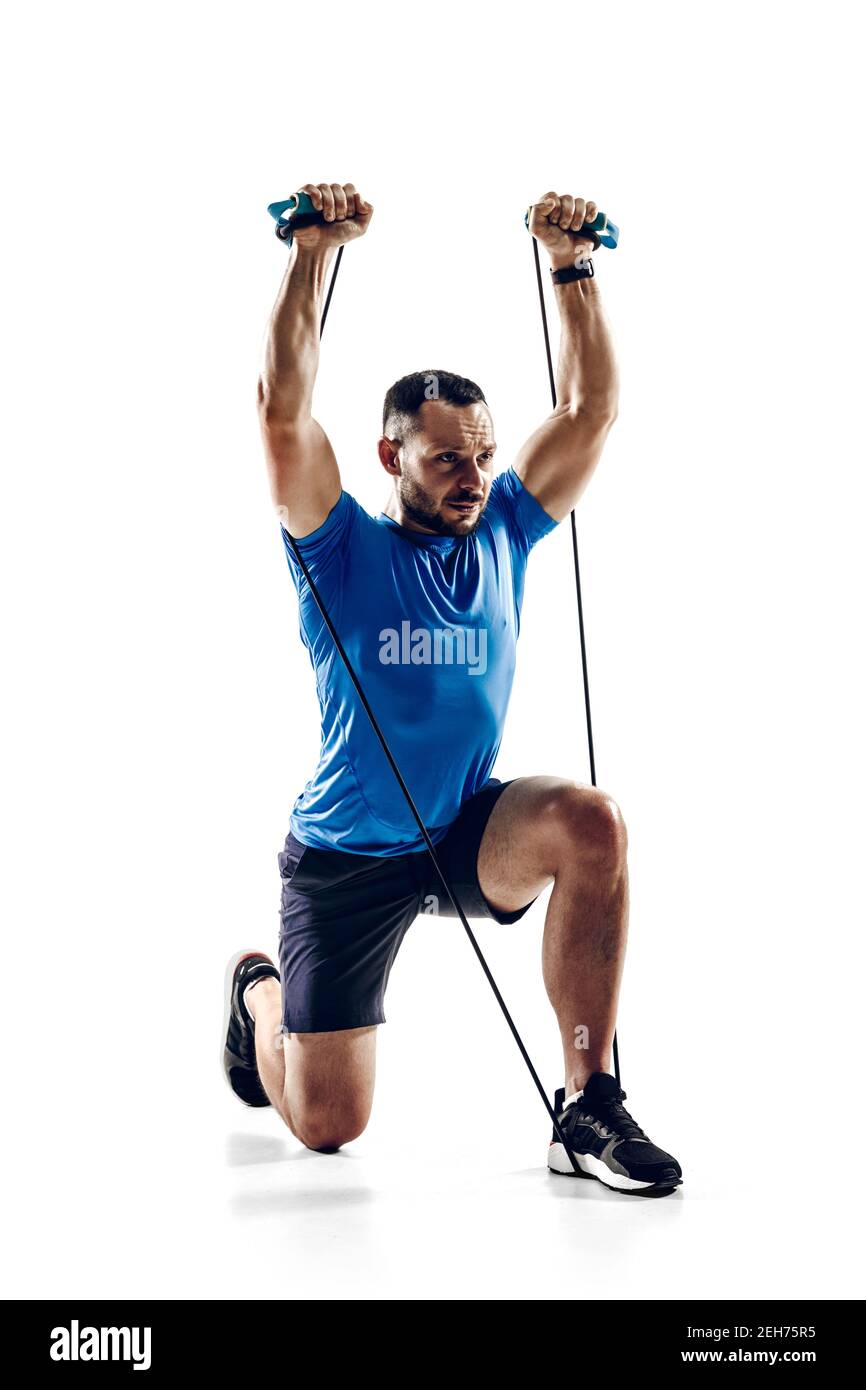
[(343, 917)]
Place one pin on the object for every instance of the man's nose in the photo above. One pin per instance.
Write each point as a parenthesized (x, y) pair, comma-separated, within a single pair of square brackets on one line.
[(472, 479)]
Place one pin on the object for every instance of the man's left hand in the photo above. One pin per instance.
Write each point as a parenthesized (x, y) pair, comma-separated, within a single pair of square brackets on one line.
[(555, 219)]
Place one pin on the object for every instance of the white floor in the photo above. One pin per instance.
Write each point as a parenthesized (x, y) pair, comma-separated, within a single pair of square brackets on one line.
[(238, 1209), (368, 1225), (182, 1192)]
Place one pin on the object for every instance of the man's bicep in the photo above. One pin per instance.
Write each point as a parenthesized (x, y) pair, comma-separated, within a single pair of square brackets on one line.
[(558, 460), (303, 473)]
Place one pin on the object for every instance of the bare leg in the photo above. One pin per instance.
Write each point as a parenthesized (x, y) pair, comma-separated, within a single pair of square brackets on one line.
[(583, 952), (321, 1084), (548, 828)]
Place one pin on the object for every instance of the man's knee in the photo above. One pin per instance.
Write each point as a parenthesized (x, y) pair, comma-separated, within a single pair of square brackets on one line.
[(589, 822), (326, 1130)]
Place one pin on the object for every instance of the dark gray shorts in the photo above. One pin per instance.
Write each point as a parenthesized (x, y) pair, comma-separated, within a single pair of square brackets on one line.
[(343, 917)]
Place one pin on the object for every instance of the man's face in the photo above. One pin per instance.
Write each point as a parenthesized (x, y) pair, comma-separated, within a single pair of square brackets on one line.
[(446, 468)]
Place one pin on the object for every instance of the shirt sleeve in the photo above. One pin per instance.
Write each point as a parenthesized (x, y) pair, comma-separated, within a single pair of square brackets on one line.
[(323, 550), (325, 553), (524, 516)]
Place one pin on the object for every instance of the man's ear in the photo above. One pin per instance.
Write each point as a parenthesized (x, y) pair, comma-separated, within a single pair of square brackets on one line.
[(389, 455)]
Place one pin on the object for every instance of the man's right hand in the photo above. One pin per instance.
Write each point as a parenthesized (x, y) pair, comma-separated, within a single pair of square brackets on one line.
[(347, 216)]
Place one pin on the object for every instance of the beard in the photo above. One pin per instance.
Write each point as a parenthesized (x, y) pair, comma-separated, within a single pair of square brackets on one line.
[(423, 509)]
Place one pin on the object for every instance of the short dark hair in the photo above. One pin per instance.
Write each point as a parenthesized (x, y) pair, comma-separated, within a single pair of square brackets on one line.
[(405, 398)]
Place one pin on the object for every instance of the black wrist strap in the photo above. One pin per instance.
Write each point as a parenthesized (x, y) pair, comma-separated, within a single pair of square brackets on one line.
[(584, 271)]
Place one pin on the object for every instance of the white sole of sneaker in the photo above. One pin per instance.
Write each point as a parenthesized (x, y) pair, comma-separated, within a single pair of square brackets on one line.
[(592, 1167)]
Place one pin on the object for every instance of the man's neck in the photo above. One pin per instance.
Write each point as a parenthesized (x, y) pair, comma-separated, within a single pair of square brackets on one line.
[(408, 523)]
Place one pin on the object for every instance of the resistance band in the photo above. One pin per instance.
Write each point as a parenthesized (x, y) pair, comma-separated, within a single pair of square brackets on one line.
[(303, 213)]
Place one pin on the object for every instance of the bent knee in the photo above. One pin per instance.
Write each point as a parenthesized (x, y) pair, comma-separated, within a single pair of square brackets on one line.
[(589, 821), (325, 1131)]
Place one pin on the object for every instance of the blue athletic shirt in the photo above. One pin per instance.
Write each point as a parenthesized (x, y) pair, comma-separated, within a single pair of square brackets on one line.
[(430, 624)]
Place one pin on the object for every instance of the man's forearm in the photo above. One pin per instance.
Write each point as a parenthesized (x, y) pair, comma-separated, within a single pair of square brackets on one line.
[(291, 359), (586, 373)]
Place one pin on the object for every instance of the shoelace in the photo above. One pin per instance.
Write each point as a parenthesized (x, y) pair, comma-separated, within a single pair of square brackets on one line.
[(612, 1115)]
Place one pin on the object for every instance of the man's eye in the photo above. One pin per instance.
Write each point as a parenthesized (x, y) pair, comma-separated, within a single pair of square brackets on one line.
[(447, 457)]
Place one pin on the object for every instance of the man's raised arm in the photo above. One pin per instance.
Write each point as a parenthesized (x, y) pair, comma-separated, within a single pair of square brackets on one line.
[(304, 477), (557, 461)]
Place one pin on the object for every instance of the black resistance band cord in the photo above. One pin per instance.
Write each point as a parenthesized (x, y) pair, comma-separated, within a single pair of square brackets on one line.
[(405, 790)]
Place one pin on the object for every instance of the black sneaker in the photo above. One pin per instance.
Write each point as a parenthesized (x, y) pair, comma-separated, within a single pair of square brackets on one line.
[(239, 1031), (608, 1144)]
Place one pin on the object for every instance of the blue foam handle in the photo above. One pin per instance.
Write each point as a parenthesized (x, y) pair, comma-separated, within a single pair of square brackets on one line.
[(301, 211)]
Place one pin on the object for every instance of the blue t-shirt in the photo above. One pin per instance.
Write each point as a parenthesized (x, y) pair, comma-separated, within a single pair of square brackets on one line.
[(430, 625)]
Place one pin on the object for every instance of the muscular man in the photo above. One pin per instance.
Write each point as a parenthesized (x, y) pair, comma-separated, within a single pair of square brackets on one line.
[(426, 598)]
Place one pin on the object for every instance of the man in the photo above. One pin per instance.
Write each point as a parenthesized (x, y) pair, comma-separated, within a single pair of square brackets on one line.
[(426, 599)]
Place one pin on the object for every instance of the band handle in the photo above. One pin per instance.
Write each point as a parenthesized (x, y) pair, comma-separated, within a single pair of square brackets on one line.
[(600, 231), (301, 213)]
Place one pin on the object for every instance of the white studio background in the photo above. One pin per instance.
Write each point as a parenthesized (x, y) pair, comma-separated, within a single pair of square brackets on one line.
[(160, 711)]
